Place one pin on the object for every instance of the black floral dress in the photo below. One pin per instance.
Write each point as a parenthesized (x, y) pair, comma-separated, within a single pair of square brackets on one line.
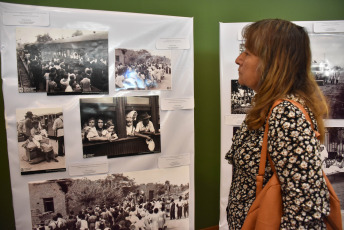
[(294, 150)]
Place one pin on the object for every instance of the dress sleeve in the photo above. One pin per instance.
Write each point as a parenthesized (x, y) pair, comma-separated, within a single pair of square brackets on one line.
[(294, 150)]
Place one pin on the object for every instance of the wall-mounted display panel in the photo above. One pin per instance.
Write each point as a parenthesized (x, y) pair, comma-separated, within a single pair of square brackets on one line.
[(66, 59), (326, 38)]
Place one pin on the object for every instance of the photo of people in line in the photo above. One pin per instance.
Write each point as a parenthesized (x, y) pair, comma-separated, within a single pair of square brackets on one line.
[(40, 140), (60, 61), (143, 69), (120, 126), (155, 199)]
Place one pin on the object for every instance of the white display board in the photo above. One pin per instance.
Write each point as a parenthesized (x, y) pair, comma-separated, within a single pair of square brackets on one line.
[(125, 31), (327, 45)]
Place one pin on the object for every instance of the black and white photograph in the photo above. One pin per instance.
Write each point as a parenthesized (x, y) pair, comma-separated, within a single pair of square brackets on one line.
[(62, 61), (328, 69), (40, 140), (332, 156), (143, 69), (152, 199), (120, 126), (241, 97)]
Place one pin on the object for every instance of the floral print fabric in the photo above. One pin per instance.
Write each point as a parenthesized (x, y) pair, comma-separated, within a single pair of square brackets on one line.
[(294, 150)]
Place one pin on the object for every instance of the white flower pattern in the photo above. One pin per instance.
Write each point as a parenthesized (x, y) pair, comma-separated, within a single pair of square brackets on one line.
[(295, 154)]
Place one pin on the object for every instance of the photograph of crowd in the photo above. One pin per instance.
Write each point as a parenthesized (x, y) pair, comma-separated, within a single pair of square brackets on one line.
[(241, 97), (61, 61), (153, 199), (332, 156), (120, 126), (40, 140), (328, 69), (143, 69)]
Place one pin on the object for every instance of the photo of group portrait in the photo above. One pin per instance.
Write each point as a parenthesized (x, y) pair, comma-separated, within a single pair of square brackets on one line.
[(143, 69), (120, 126), (61, 61), (40, 140)]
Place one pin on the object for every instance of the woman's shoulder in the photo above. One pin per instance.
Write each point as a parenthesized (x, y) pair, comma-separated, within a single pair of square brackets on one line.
[(288, 111)]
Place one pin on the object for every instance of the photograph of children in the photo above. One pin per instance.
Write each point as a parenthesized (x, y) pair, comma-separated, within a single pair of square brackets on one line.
[(328, 69), (61, 61), (241, 97), (143, 69), (120, 126), (151, 199), (332, 156), (40, 140)]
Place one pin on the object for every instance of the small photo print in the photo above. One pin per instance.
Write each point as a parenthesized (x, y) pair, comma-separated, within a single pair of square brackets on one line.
[(40, 140), (332, 156), (61, 61), (120, 126), (151, 199), (143, 69), (241, 97), (328, 69)]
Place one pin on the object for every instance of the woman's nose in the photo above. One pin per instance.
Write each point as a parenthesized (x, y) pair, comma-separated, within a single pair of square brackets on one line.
[(239, 59)]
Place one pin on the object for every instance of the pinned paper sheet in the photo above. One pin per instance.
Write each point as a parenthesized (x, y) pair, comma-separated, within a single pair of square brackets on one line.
[(234, 119), (174, 161), (80, 169), (329, 27), (25, 19), (177, 103), (172, 44)]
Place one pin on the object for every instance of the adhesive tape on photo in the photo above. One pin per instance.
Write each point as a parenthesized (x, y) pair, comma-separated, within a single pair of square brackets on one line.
[(151, 144)]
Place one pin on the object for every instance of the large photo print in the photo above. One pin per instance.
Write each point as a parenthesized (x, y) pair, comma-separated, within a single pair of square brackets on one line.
[(120, 126), (40, 140), (143, 69), (332, 156), (328, 69), (152, 199), (61, 61)]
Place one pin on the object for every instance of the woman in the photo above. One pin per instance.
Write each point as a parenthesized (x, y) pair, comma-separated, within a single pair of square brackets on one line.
[(276, 64)]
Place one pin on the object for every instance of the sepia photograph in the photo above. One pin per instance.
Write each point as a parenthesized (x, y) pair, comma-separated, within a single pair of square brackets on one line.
[(61, 61), (241, 97), (332, 156), (151, 199), (143, 69), (120, 126), (328, 69), (40, 140)]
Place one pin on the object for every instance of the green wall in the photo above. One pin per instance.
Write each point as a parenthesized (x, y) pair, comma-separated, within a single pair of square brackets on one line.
[(207, 14)]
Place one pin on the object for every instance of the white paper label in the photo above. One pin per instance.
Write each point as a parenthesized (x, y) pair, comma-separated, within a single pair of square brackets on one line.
[(177, 103), (173, 44), (25, 19), (329, 27), (80, 169), (174, 161), (234, 119)]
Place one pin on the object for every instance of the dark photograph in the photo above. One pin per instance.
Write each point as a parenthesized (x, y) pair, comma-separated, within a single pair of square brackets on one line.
[(241, 97), (152, 199), (40, 140), (120, 126), (332, 156), (143, 69), (62, 62), (328, 69)]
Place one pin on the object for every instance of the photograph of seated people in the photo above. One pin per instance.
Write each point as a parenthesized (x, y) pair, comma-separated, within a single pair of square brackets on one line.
[(40, 140), (108, 130)]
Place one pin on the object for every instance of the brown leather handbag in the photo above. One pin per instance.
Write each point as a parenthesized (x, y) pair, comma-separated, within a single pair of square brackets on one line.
[(266, 211)]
